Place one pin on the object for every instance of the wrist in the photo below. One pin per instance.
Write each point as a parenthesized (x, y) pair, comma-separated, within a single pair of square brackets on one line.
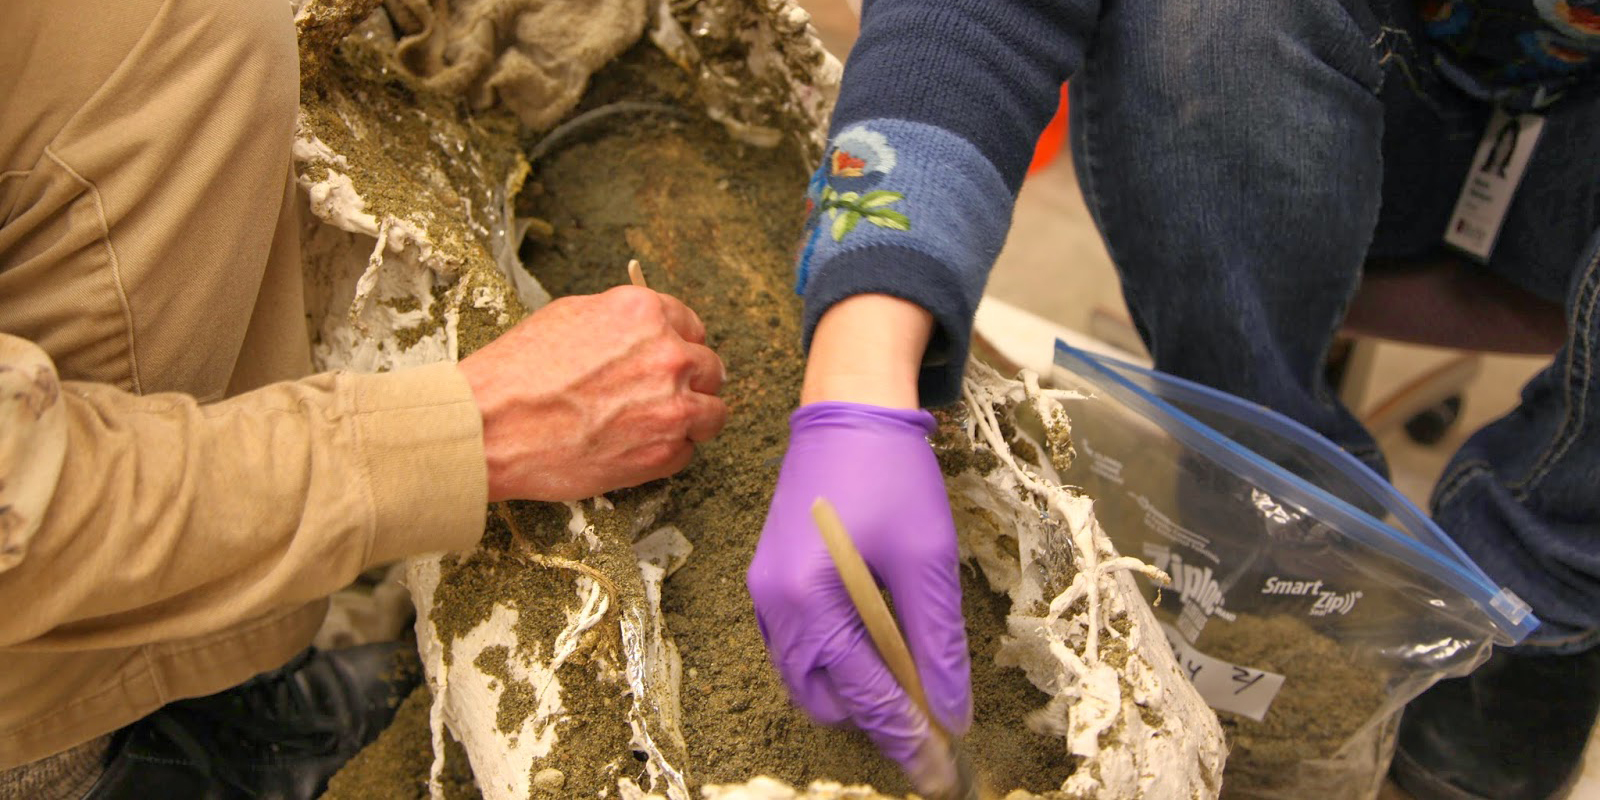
[(868, 349), (489, 400)]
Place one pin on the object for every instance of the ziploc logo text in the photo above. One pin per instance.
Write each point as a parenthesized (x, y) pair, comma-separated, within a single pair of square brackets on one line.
[(1196, 586), (1325, 601)]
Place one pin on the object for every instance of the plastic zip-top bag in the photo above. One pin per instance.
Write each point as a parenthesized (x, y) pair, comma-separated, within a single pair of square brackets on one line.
[(1309, 600)]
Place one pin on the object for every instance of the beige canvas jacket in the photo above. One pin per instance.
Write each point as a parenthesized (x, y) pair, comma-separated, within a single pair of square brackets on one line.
[(175, 497)]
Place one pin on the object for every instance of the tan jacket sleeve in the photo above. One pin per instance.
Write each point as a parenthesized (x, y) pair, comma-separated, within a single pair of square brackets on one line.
[(128, 519)]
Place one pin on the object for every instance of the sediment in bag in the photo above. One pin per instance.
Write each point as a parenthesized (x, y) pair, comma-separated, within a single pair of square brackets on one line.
[(1329, 695), (1310, 601)]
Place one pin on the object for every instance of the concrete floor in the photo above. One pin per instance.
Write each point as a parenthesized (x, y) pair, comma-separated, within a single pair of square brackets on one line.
[(1054, 265)]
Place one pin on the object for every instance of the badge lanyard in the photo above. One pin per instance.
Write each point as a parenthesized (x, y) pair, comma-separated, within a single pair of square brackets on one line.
[(1502, 157)]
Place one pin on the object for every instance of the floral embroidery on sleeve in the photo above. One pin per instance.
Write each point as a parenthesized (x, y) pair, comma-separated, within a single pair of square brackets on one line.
[(1445, 18), (1510, 48), (843, 188), (1578, 19)]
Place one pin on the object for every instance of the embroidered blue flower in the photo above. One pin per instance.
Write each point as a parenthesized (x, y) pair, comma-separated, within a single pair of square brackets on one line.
[(1445, 18), (861, 152), (843, 189), (842, 192), (1579, 19), (1551, 51)]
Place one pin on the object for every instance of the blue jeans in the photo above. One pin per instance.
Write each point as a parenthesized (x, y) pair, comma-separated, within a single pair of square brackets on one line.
[(1243, 158)]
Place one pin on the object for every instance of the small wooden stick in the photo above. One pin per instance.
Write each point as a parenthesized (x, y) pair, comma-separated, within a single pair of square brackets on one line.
[(869, 604), (886, 637), (636, 274)]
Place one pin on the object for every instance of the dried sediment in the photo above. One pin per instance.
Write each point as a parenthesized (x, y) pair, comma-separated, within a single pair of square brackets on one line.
[(395, 767), (1311, 739), (414, 257)]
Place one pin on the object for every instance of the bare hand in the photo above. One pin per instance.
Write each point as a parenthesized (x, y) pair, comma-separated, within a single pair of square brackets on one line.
[(593, 393)]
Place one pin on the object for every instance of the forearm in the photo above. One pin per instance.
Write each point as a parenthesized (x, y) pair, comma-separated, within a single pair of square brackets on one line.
[(941, 104), (868, 349), (177, 519)]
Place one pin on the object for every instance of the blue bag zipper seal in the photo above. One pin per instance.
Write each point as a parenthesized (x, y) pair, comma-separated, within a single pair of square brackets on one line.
[(1510, 613)]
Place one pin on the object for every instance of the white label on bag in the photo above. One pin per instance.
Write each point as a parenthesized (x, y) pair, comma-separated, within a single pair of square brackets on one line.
[(1496, 169), (1226, 687)]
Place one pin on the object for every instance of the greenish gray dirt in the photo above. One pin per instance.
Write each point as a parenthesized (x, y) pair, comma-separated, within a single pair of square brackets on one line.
[(714, 222)]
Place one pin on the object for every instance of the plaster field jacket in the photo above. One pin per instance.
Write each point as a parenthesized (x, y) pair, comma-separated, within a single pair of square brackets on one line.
[(176, 497)]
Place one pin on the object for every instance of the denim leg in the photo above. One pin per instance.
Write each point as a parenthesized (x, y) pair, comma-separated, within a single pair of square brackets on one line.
[(1522, 496), (1230, 152), (1430, 136), (1430, 140), (1557, 205)]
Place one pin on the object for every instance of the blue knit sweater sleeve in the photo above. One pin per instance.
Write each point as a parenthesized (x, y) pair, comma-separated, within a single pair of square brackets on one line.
[(941, 104)]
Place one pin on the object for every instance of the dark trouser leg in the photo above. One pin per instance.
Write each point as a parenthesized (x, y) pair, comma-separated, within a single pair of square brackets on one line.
[(1231, 154)]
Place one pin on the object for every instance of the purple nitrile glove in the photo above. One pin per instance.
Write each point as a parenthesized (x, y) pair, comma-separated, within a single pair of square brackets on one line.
[(877, 469)]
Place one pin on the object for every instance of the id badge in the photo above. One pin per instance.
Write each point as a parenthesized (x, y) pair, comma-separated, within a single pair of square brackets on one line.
[(1502, 157)]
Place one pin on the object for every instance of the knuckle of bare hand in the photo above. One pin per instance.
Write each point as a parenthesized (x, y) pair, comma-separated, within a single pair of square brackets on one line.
[(715, 412), (676, 414), (638, 305), (560, 310), (671, 358)]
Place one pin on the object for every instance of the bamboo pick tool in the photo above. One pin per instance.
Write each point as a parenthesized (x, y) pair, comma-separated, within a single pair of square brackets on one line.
[(636, 274), (891, 645)]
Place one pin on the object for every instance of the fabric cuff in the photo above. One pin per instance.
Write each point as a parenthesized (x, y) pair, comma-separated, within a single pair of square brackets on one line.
[(912, 211), (421, 440)]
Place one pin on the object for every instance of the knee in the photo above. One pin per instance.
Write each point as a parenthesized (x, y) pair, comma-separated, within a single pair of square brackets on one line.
[(1251, 46)]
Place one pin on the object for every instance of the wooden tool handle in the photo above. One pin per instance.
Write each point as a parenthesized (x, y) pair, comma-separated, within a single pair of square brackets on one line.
[(891, 645), (869, 604)]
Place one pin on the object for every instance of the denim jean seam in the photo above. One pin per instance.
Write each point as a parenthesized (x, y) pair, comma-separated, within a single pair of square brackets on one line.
[(1567, 432), (1320, 389), (1457, 479), (1091, 184)]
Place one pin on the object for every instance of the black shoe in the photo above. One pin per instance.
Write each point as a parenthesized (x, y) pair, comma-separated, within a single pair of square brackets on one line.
[(1513, 730), (280, 735)]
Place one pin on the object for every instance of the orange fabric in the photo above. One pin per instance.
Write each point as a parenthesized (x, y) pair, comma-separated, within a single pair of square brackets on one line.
[(1054, 136)]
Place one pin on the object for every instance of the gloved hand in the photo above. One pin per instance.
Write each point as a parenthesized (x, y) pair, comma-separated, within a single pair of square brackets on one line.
[(876, 467)]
